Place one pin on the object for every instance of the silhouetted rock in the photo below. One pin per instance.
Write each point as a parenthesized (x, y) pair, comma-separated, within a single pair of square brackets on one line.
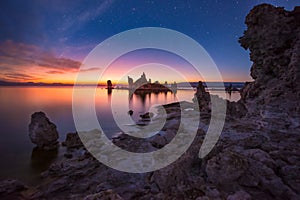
[(72, 141), (42, 132), (202, 98), (130, 112), (146, 116)]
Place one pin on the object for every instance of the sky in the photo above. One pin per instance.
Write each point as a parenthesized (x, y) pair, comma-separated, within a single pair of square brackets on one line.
[(47, 41)]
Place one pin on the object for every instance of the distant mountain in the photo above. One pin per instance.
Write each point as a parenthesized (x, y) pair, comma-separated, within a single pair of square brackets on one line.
[(5, 83)]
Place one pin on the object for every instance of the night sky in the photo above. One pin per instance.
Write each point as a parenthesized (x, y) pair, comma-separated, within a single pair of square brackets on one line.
[(45, 41)]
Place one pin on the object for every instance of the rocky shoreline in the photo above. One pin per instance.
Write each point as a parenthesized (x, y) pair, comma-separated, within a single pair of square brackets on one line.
[(256, 157)]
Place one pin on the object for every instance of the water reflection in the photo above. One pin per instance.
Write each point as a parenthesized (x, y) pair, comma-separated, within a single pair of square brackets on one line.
[(109, 91), (41, 159), (21, 161), (141, 101)]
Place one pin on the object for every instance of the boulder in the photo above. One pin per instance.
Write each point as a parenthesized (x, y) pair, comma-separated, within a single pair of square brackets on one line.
[(42, 132)]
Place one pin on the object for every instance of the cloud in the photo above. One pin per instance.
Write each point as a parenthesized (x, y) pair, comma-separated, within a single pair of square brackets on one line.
[(20, 54), (55, 72), (25, 62), (90, 69), (18, 76)]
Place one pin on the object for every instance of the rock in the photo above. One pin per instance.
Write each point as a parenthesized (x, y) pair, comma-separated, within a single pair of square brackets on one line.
[(172, 124), (240, 195), (12, 189), (181, 179), (130, 112), (42, 132), (203, 198), (202, 98), (158, 141), (291, 176), (169, 135), (147, 116), (273, 38), (72, 141), (104, 195), (68, 155), (226, 168), (10, 186)]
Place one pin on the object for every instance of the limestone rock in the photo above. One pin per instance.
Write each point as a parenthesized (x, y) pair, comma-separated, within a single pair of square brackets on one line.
[(273, 38), (42, 132), (202, 97)]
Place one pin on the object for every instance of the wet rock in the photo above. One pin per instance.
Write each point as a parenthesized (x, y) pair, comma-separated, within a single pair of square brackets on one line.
[(42, 132)]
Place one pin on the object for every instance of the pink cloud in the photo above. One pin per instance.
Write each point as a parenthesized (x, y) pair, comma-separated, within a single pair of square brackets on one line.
[(18, 59)]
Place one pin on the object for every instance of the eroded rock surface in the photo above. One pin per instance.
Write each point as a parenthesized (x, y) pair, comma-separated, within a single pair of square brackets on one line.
[(273, 38)]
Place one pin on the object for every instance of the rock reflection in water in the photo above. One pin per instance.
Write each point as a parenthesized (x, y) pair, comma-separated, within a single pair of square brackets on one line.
[(41, 159)]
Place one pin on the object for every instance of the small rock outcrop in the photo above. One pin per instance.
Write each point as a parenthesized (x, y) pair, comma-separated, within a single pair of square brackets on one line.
[(202, 98), (72, 141), (42, 132)]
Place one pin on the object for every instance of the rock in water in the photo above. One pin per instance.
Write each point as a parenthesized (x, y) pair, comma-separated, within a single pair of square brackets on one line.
[(42, 132)]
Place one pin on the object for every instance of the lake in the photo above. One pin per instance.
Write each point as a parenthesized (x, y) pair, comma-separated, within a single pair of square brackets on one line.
[(19, 158)]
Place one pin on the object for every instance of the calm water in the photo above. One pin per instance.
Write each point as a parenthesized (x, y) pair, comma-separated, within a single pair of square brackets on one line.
[(20, 159)]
